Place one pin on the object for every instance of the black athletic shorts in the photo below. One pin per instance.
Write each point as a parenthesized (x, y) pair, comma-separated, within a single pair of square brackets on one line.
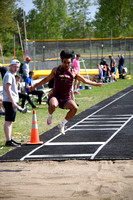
[(10, 112)]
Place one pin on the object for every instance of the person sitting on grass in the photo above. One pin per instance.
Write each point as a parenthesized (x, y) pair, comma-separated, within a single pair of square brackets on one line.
[(99, 77), (29, 84), (23, 96), (63, 76)]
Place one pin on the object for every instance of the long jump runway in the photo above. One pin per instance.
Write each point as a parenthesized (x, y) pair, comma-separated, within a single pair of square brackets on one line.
[(104, 131)]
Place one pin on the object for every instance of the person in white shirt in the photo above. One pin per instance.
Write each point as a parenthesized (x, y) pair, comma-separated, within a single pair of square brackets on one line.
[(10, 101)]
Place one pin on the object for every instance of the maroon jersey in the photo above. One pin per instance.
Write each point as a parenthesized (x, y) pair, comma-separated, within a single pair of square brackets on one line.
[(63, 82)]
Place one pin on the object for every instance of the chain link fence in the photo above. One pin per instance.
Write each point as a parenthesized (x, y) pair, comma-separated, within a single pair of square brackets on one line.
[(45, 54)]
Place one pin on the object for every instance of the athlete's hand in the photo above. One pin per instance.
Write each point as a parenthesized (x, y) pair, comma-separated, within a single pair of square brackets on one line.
[(99, 84)]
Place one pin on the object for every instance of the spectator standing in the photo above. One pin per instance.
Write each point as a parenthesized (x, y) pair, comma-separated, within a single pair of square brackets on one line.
[(10, 101), (103, 61), (25, 68), (113, 67), (3, 70), (2, 113), (104, 64), (120, 64), (29, 83), (108, 71), (76, 65)]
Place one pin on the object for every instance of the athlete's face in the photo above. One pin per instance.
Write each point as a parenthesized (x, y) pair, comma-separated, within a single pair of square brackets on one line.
[(66, 63)]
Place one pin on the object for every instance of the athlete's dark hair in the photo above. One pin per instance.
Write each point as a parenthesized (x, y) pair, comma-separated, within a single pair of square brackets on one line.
[(67, 54)]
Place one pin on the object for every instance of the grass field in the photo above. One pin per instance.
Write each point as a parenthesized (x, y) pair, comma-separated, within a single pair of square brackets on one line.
[(88, 98)]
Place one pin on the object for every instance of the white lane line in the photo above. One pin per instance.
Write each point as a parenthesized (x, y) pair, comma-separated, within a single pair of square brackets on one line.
[(96, 122), (99, 125), (73, 143), (95, 118), (60, 156), (89, 129), (76, 124), (100, 109), (129, 115), (99, 149), (39, 147)]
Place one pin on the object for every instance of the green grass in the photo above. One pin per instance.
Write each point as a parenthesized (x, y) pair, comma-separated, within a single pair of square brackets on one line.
[(88, 98)]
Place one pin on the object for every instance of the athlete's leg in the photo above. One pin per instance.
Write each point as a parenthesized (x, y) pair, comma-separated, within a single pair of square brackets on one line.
[(71, 105), (53, 103)]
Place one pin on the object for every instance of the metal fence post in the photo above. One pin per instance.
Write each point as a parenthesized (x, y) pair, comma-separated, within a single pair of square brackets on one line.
[(130, 71), (90, 52)]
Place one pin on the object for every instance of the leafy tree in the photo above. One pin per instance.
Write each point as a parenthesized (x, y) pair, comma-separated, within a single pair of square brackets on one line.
[(19, 17), (7, 9), (33, 25), (115, 15), (78, 25), (8, 25), (49, 19)]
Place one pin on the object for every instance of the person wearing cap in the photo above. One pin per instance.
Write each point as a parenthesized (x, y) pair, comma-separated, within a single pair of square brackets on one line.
[(10, 101), (25, 68), (3, 70)]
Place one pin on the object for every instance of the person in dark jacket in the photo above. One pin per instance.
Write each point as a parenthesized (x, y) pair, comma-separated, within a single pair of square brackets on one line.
[(3, 70)]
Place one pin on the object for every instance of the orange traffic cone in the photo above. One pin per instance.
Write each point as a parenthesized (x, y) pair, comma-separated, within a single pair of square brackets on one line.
[(34, 131)]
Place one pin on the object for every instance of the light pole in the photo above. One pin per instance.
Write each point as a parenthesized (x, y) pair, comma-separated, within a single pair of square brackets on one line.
[(43, 53), (102, 49)]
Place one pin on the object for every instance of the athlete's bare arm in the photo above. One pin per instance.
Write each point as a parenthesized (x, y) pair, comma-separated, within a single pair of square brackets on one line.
[(45, 80), (85, 80)]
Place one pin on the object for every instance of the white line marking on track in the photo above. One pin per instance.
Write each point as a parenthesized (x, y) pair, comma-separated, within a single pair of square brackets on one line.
[(92, 118), (96, 122), (73, 143), (89, 129), (60, 156), (99, 149), (99, 125), (129, 115), (76, 124), (27, 155)]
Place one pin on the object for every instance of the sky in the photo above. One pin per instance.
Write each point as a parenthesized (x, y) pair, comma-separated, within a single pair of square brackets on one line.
[(28, 5)]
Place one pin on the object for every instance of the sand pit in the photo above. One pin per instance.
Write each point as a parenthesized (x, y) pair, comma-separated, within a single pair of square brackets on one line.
[(77, 180)]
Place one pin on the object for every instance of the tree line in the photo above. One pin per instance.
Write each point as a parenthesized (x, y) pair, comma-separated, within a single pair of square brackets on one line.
[(60, 19)]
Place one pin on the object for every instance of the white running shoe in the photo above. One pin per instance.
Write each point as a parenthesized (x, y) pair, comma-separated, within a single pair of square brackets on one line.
[(49, 120), (62, 129), (23, 110)]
